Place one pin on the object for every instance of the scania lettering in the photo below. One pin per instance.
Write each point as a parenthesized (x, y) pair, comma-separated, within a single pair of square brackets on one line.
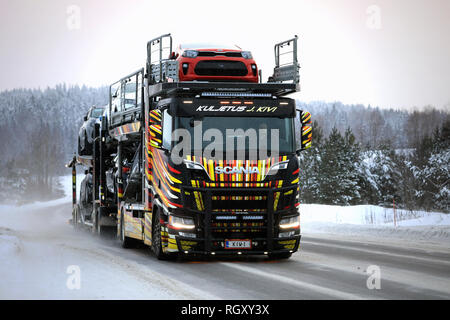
[(228, 170)]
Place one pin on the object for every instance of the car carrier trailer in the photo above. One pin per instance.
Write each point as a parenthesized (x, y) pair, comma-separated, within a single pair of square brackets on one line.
[(195, 205)]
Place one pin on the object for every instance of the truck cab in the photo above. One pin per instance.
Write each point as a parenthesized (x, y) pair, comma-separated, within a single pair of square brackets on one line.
[(240, 200)]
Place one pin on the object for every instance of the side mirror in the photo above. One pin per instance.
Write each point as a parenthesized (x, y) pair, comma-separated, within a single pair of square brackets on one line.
[(306, 130), (155, 129)]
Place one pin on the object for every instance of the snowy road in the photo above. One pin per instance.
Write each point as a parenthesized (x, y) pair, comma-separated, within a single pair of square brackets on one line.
[(37, 247)]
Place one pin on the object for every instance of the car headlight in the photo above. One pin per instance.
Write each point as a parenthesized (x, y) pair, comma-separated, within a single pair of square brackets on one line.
[(190, 53), (246, 54), (290, 223), (181, 223)]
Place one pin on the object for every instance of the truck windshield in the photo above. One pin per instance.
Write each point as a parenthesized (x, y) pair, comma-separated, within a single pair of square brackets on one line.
[(283, 125)]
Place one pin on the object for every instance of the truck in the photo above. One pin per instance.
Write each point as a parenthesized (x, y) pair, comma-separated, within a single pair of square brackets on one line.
[(153, 177)]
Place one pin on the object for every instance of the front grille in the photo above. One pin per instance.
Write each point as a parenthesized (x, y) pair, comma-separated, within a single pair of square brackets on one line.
[(221, 68), (239, 230), (238, 201), (214, 54), (238, 214), (223, 227), (251, 200)]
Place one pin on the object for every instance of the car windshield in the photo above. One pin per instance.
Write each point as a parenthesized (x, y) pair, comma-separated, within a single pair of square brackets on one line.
[(283, 125), (96, 113)]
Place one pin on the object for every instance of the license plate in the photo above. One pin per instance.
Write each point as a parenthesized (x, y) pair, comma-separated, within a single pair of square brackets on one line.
[(238, 244)]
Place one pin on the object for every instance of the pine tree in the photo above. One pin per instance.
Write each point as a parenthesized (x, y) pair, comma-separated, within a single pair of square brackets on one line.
[(389, 177), (434, 176), (351, 160), (338, 177)]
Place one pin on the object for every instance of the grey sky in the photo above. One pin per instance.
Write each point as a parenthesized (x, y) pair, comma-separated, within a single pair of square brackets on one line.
[(400, 60)]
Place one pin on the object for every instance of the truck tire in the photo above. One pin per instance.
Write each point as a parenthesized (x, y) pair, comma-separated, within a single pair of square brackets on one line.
[(125, 241), (280, 255), (156, 237)]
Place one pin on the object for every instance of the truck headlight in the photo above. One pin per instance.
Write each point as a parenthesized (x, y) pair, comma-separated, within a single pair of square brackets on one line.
[(193, 165), (181, 223), (277, 166), (290, 223)]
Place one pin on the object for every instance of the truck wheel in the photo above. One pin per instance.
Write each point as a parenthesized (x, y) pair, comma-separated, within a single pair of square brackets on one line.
[(280, 255), (125, 241), (156, 237)]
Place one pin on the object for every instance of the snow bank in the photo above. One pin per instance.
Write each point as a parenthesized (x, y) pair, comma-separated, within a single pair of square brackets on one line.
[(370, 215), (66, 181), (374, 221)]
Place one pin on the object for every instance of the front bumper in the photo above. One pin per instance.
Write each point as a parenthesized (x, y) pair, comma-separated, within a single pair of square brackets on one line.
[(197, 246)]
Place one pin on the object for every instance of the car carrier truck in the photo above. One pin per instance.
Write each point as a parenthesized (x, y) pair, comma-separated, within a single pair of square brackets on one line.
[(139, 185)]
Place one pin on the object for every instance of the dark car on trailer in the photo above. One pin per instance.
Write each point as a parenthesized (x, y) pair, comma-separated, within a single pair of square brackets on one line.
[(86, 133)]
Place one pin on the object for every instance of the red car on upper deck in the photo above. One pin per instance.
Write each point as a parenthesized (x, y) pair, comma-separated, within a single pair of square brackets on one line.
[(210, 62)]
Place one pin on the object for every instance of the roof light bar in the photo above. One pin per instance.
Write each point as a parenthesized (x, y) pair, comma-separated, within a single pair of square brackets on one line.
[(236, 94)]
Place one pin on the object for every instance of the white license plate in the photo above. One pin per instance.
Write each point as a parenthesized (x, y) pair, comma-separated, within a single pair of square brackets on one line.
[(238, 244)]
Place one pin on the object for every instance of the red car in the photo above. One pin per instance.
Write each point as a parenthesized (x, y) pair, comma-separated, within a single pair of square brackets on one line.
[(210, 62)]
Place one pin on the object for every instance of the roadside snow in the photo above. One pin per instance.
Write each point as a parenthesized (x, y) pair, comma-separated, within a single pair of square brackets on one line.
[(66, 181), (370, 215), (377, 222), (40, 254)]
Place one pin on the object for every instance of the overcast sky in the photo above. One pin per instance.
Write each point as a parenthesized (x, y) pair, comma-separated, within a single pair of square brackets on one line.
[(384, 53)]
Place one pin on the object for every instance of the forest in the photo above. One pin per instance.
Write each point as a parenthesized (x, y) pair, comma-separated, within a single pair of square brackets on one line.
[(364, 155)]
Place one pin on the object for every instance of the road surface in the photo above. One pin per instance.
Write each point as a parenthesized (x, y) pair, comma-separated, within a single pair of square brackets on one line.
[(41, 254)]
